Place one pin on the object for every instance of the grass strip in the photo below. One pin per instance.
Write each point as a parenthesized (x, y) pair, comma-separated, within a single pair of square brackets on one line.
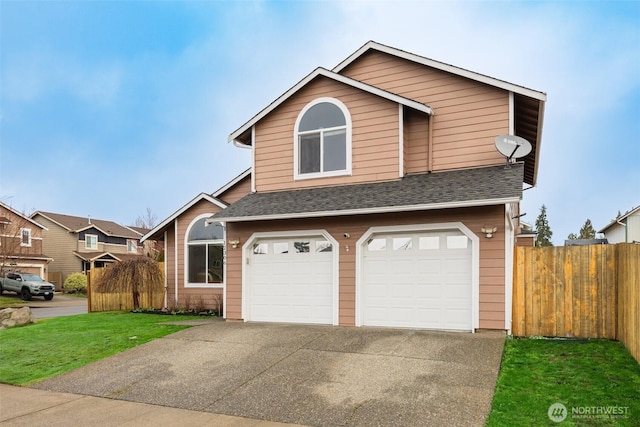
[(590, 377), (53, 346)]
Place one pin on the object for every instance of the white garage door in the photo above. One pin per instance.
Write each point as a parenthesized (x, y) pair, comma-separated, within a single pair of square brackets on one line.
[(418, 280), (290, 280)]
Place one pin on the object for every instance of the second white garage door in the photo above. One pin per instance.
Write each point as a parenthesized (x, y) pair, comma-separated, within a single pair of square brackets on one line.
[(291, 280), (418, 280)]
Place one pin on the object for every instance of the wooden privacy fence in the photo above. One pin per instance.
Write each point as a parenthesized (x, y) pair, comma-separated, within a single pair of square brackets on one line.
[(99, 301), (578, 291)]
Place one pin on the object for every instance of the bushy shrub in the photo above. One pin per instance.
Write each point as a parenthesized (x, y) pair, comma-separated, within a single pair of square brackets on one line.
[(77, 282)]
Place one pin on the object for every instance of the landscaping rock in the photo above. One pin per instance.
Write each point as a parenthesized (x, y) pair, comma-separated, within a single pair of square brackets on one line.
[(10, 317)]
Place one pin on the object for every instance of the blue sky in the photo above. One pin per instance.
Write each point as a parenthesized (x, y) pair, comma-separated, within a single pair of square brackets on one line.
[(108, 108)]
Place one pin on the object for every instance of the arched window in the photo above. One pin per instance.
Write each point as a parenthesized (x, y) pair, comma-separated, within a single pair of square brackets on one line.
[(323, 139), (205, 252)]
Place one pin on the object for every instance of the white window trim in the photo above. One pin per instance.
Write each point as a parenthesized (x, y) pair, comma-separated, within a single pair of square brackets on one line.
[(86, 245), (135, 246), (348, 134), (475, 262), (247, 252), (188, 284), (28, 244)]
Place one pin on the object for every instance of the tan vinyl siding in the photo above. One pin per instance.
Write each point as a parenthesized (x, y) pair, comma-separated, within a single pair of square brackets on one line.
[(375, 138), (416, 125), (237, 192), (59, 244), (467, 115), (492, 253)]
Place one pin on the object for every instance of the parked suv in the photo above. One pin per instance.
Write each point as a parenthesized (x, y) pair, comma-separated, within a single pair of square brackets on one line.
[(26, 285)]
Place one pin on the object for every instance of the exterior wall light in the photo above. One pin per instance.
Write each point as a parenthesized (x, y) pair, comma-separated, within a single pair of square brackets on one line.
[(234, 243), (488, 231)]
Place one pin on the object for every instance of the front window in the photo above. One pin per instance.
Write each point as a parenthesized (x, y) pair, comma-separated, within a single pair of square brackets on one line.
[(91, 241), (25, 237), (205, 253), (323, 140), (132, 246)]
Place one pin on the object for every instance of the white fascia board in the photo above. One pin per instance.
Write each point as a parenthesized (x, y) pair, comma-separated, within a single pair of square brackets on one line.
[(386, 209), (52, 220), (441, 66), (88, 226), (623, 217), (231, 183), (21, 215), (199, 197), (333, 76)]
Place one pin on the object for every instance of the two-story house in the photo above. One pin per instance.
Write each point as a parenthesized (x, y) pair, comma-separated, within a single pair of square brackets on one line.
[(376, 198), (21, 243), (79, 244)]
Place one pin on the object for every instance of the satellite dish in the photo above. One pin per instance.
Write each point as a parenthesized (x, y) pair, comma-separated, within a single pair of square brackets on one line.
[(512, 147)]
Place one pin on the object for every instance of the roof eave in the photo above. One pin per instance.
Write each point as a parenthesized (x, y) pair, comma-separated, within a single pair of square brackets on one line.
[(364, 211), (440, 66), (233, 137), (180, 211)]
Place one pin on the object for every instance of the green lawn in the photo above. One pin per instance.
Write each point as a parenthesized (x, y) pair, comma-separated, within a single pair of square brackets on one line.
[(590, 377), (53, 346)]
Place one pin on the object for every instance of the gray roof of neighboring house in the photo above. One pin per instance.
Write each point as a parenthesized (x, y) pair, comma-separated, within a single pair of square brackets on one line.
[(78, 223), (459, 188)]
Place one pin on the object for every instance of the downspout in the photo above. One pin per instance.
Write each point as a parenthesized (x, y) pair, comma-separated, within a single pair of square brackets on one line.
[(430, 143), (626, 236), (166, 279), (175, 261)]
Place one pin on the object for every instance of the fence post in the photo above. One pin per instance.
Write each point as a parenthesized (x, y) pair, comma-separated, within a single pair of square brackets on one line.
[(89, 291)]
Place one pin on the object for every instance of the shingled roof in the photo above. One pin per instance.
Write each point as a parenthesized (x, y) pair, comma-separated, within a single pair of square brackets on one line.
[(78, 223), (460, 188)]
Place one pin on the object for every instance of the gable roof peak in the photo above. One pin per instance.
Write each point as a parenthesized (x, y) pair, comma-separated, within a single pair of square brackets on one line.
[(373, 45), (320, 71)]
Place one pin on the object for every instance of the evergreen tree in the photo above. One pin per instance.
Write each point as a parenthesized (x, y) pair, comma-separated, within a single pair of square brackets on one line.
[(587, 231), (572, 236), (542, 228)]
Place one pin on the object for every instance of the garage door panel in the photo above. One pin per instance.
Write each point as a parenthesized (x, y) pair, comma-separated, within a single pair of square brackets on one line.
[(425, 284), (290, 280)]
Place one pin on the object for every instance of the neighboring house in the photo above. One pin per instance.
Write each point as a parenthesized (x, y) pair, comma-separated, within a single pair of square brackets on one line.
[(624, 229), (150, 248), (21, 243), (379, 199), (194, 253), (527, 235), (79, 244)]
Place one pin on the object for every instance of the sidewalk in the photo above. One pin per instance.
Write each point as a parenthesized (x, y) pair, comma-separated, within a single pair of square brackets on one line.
[(21, 406)]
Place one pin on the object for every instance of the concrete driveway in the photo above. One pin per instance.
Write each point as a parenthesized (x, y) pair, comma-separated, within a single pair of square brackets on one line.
[(312, 375)]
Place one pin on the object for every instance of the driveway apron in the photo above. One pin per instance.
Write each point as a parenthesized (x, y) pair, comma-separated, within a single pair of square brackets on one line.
[(313, 375)]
